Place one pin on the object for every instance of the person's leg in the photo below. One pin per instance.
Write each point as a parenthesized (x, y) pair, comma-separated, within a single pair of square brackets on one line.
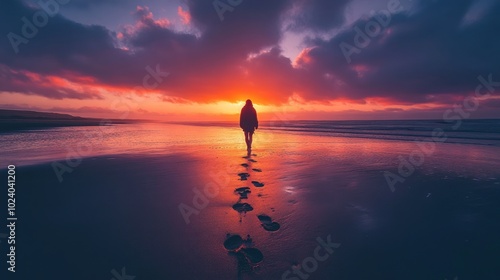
[(250, 139), (247, 139)]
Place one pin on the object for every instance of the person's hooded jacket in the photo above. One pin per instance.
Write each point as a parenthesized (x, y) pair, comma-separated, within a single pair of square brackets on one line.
[(248, 118)]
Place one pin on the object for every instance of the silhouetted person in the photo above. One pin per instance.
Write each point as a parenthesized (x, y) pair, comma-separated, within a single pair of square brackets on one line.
[(249, 123)]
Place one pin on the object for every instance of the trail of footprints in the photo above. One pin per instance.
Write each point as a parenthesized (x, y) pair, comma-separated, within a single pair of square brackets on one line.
[(248, 256)]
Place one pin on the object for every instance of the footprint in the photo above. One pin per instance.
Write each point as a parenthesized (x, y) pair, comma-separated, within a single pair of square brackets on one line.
[(243, 176), (264, 219), (274, 226), (253, 255), (247, 256), (257, 169), (243, 195), (252, 160), (233, 242), (244, 164), (242, 207), (257, 184), (267, 223), (243, 192)]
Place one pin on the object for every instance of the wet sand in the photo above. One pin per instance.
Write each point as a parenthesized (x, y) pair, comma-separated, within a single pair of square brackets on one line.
[(123, 210)]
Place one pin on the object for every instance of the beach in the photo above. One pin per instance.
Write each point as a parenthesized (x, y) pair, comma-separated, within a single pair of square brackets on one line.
[(249, 140), (157, 201)]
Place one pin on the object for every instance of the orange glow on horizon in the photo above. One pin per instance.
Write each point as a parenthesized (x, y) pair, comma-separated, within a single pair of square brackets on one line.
[(102, 100)]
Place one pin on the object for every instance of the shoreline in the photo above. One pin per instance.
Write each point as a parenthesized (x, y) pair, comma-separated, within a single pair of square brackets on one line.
[(19, 120), (20, 125)]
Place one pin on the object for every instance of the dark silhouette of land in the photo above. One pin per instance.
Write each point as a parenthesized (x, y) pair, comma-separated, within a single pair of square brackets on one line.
[(13, 120)]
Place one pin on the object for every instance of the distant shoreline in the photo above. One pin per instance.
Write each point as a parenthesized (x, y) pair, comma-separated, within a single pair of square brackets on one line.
[(17, 120)]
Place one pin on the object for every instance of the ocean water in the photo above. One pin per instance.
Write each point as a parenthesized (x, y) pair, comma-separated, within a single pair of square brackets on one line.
[(481, 132), (36, 146)]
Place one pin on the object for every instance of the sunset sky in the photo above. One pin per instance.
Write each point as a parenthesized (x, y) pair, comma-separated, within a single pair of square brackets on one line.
[(201, 59)]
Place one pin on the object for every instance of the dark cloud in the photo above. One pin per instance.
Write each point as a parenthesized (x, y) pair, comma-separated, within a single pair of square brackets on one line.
[(33, 84), (200, 66), (62, 46), (89, 3), (81, 4), (425, 52), (317, 15), (432, 53), (250, 27)]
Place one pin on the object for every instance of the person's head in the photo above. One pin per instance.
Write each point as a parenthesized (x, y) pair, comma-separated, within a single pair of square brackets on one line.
[(248, 103)]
